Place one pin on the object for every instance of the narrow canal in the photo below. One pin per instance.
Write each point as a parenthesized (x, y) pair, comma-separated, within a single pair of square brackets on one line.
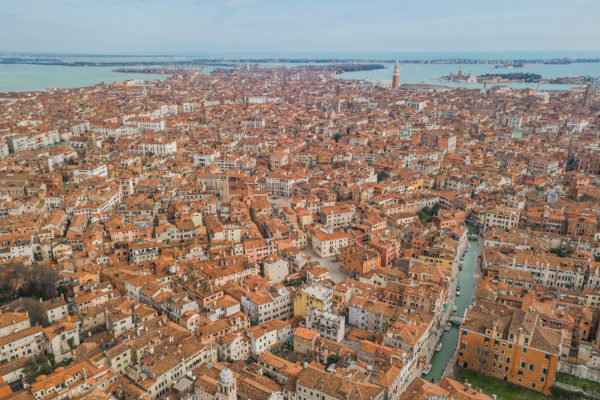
[(449, 339)]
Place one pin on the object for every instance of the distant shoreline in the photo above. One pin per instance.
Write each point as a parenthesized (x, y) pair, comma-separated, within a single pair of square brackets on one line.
[(227, 62), (519, 77), (339, 68)]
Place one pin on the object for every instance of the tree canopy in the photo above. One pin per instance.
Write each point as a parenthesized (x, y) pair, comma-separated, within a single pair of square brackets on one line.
[(426, 214), (36, 280)]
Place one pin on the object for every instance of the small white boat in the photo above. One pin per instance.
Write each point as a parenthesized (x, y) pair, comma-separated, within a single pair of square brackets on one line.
[(426, 369), (458, 293), (439, 346), (454, 308), (448, 326)]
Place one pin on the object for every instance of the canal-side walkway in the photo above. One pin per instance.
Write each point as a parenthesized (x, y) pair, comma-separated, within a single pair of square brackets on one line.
[(468, 279)]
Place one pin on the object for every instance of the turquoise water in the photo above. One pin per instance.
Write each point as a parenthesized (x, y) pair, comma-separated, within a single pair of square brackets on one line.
[(25, 77), (450, 339), (430, 73)]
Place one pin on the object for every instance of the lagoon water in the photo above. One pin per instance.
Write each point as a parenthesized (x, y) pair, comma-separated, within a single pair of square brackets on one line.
[(28, 77), (430, 73)]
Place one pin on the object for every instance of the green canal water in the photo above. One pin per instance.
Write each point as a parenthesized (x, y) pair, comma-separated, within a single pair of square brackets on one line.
[(449, 339)]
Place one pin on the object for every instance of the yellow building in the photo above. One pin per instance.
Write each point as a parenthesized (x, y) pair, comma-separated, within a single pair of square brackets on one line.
[(313, 296), (437, 256), (304, 217)]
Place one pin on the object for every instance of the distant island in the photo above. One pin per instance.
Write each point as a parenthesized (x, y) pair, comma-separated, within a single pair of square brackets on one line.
[(510, 77), (338, 68), (520, 77), (510, 66)]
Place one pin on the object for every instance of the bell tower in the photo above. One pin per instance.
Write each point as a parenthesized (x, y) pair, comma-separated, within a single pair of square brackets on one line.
[(227, 387), (396, 76)]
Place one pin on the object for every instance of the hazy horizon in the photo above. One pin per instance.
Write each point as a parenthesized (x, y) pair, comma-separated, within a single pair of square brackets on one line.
[(151, 27), (595, 53)]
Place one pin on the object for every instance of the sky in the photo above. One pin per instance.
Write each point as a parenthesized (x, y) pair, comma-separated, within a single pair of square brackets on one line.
[(303, 26)]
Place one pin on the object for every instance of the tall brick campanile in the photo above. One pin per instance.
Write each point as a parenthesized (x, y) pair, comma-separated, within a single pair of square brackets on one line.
[(396, 77)]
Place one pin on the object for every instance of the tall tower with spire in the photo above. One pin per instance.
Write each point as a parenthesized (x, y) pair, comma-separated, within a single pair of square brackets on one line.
[(396, 76)]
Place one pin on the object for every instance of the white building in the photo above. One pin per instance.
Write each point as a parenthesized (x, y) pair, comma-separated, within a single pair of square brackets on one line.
[(329, 325)]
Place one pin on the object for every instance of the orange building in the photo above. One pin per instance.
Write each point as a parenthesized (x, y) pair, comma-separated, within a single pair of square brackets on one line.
[(387, 248), (510, 345), (359, 260), (581, 225)]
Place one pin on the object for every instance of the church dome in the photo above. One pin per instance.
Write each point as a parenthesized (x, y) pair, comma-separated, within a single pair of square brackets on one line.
[(226, 374)]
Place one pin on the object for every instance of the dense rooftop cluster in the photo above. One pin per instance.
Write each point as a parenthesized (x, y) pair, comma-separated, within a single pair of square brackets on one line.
[(285, 234)]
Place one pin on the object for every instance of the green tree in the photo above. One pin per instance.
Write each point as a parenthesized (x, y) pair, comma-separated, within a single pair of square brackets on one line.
[(45, 369), (382, 176), (30, 370), (41, 359), (37, 366), (426, 214), (332, 359), (564, 250)]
